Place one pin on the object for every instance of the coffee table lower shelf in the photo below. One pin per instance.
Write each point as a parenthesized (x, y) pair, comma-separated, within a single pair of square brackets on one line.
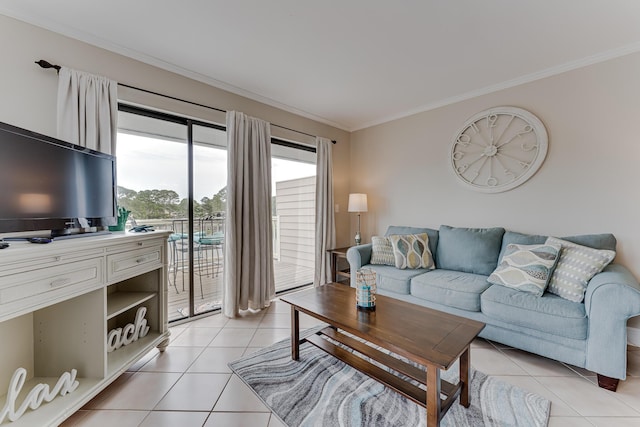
[(407, 389)]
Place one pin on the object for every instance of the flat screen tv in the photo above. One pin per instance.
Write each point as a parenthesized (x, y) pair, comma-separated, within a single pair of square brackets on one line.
[(48, 184)]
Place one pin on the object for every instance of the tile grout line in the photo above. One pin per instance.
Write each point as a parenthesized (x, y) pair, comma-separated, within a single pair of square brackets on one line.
[(185, 372), (577, 373), (535, 378)]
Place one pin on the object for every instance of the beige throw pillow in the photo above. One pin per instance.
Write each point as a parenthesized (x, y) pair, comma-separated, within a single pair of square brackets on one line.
[(412, 251), (381, 251)]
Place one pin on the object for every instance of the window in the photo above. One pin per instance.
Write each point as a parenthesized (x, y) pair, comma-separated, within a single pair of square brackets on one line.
[(293, 176)]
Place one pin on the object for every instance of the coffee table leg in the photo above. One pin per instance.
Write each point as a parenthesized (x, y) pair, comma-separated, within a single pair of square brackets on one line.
[(464, 377), (433, 396), (295, 334)]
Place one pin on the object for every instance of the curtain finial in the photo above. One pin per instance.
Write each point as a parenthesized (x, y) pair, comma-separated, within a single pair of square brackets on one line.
[(46, 64)]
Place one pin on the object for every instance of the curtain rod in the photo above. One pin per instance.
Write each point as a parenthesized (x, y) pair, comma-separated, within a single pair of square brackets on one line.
[(46, 64)]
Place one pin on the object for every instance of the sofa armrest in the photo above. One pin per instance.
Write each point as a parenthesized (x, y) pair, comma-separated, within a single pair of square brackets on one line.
[(358, 256), (612, 297), (613, 275)]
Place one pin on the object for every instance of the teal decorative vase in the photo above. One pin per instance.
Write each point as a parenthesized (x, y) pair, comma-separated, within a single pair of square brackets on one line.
[(123, 215)]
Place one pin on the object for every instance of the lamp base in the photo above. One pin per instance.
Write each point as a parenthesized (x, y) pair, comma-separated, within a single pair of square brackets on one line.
[(358, 239)]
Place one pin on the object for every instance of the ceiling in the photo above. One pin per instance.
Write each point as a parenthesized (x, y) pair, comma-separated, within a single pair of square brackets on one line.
[(350, 63)]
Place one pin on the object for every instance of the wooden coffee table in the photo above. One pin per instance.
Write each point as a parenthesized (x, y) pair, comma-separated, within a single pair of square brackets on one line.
[(428, 337)]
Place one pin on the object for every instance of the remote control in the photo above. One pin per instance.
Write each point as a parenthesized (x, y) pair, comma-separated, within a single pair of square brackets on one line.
[(39, 240), (142, 228)]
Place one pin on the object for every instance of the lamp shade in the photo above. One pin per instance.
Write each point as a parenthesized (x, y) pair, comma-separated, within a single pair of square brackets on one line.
[(357, 202)]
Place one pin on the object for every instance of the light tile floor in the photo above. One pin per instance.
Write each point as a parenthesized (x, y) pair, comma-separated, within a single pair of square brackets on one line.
[(190, 383)]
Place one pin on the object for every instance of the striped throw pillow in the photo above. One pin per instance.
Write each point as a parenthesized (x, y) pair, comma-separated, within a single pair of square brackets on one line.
[(576, 266)]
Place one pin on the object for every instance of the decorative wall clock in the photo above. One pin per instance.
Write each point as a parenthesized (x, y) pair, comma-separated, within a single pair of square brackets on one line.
[(498, 149)]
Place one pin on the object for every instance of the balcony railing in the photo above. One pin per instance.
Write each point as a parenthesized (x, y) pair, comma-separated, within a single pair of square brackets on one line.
[(207, 227), (208, 264)]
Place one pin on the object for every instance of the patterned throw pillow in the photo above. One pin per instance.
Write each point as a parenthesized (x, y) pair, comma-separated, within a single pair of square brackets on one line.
[(382, 251), (576, 266), (412, 251), (526, 268)]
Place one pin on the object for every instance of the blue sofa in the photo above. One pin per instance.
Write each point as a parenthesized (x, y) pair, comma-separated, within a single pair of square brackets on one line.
[(591, 334)]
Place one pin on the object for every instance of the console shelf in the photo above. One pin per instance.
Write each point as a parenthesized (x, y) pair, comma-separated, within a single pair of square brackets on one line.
[(59, 301), (119, 302)]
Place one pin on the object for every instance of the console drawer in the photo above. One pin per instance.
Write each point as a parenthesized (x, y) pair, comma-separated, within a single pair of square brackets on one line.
[(132, 263), (46, 286), (142, 243), (42, 259)]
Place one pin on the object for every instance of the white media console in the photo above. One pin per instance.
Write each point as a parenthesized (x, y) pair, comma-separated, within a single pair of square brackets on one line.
[(58, 302)]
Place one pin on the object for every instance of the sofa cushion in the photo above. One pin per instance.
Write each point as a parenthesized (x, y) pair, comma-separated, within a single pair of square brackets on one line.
[(526, 268), (512, 237), (549, 313), (411, 251), (392, 279), (382, 251), (576, 266), (433, 234), (471, 250), (452, 288), (605, 241)]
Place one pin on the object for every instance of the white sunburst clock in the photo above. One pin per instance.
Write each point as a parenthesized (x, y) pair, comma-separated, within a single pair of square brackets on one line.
[(498, 149)]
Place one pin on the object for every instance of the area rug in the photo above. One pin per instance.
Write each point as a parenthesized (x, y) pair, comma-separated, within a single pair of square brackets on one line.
[(320, 390)]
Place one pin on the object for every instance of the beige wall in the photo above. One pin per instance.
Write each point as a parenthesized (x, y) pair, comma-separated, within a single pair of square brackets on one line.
[(28, 93), (589, 182)]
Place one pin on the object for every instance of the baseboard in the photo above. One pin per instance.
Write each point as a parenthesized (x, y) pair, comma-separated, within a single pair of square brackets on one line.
[(633, 336)]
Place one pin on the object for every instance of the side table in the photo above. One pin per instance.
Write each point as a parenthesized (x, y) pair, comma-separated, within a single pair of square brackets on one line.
[(337, 254)]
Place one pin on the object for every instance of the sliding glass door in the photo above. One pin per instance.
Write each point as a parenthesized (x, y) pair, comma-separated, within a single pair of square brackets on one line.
[(152, 165), (172, 174), (210, 204)]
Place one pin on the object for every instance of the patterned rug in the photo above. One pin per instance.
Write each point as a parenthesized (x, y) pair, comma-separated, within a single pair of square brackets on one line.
[(320, 390)]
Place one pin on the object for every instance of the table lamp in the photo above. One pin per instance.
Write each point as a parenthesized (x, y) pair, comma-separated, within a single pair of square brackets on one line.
[(358, 203)]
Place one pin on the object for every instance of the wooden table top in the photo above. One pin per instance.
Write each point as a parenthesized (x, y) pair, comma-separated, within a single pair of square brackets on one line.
[(339, 251), (421, 334)]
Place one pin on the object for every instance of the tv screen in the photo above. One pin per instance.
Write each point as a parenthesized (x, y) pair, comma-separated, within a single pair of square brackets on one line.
[(48, 184)]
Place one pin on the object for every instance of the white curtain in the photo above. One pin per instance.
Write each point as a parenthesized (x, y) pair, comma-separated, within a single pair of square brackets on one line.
[(248, 270), (325, 221), (87, 110)]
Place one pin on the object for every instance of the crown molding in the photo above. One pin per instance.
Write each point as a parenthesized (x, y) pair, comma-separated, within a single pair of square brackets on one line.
[(527, 78)]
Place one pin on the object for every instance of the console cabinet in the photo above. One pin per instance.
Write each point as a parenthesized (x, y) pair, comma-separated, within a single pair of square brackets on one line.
[(58, 302)]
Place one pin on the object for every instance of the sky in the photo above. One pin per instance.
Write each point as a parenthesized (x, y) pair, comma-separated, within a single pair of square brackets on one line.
[(152, 164)]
